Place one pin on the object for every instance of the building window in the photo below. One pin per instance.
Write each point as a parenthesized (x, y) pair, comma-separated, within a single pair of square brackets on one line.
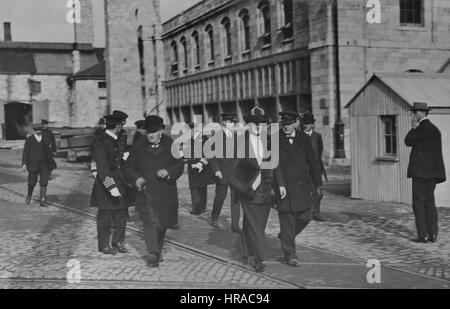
[(244, 30), (174, 68), (35, 87), (101, 85), (389, 135), (286, 18), (196, 44), (185, 53), (411, 12), (226, 37), (210, 43), (264, 23)]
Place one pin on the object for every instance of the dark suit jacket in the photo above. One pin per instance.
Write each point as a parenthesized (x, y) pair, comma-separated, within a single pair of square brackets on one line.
[(36, 155), (317, 143), (224, 164), (245, 171), (301, 172), (426, 160), (196, 179)]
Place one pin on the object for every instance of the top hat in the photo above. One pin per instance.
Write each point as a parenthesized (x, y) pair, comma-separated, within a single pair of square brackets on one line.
[(228, 116), (420, 106), (288, 118), (140, 124), (154, 124), (120, 115), (308, 118)]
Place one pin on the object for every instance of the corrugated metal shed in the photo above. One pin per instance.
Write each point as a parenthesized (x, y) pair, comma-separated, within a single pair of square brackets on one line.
[(381, 177), (433, 89)]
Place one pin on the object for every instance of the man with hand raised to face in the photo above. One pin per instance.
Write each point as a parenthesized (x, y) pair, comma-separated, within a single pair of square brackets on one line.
[(154, 171)]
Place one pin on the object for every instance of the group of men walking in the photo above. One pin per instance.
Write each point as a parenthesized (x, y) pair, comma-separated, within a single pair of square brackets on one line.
[(146, 176)]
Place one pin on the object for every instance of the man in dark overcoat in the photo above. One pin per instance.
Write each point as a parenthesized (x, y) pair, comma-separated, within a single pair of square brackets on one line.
[(308, 126), (426, 168), (221, 168), (49, 136), (109, 191), (38, 161), (302, 178), (98, 131), (154, 171), (199, 170)]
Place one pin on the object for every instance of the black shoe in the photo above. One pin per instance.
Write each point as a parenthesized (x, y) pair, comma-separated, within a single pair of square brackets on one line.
[(108, 251), (432, 238), (153, 261), (28, 200), (420, 240), (318, 219), (195, 213), (246, 260), (120, 247), (43, 197), (259, 266), (293, 263)]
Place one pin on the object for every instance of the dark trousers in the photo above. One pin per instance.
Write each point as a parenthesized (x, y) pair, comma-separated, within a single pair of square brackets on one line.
[(154, 233), (219, 199), (291, 225), (108, 219), (252, 242), (425, 208), (42, 173), (199, 198)]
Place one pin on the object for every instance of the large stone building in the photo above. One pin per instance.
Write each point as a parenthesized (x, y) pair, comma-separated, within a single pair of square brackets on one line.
[(229, 55), (75, 84)]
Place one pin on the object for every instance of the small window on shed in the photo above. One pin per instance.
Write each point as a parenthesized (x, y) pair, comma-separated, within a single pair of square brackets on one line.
[(102, 85), (389, 136)]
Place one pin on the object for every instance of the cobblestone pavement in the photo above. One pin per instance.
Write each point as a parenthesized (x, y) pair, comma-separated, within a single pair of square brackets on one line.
[(37, 245), (358, 229)]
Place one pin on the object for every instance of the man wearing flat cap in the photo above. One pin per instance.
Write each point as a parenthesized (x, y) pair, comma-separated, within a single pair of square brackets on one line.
[(426, 168), (221, 168), (38, 161), (302, 179), (154, 171), (110, 188), (308, 126)]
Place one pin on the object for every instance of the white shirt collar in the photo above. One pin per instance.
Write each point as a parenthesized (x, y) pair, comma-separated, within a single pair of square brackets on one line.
[(424, 118), (292, 134), (38, 137), (112, 134), (310, 133)]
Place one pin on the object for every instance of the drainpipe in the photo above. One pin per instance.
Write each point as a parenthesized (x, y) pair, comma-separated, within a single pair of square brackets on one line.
[(339, 145)]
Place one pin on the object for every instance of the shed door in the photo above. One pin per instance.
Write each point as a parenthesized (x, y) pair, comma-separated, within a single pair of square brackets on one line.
[(17, 115)]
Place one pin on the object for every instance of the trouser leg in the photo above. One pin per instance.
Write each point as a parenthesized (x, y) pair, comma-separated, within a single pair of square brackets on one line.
[(32, 181), (219, 199), (152, 231), (196, 199), (316, 206), (431, 210), (203, 198), (161, 237), (104, 225), (287, 234), (120, 219), (419, 205), (43, 176), (235, 210)]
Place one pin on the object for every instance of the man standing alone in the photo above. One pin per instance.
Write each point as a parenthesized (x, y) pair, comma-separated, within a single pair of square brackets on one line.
[(426, 168)]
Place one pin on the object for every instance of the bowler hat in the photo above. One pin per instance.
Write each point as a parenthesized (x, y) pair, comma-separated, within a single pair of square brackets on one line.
[(38, 127), (154, 124), (420, 106), (228, 116), (288, 118), (120, 115), (308, 118), (140, 124)]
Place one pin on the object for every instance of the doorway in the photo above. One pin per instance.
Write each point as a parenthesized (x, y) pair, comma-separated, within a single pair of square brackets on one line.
[(17, 116)]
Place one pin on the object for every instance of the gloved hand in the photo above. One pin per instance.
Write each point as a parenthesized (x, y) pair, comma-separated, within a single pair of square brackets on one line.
[(283, 193), (115, 192), (94, 174), (198, 166), (140, 184), (125, 156)]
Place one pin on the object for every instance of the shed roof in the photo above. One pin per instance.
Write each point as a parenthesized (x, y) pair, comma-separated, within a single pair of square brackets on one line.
[(433, 89), (97, 71)]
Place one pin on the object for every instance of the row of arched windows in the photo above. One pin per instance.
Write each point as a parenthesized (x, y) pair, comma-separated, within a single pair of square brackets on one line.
[(264, 25)]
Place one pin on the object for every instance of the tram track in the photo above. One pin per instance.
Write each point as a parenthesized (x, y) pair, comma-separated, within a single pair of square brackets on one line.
[(178, 245)]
